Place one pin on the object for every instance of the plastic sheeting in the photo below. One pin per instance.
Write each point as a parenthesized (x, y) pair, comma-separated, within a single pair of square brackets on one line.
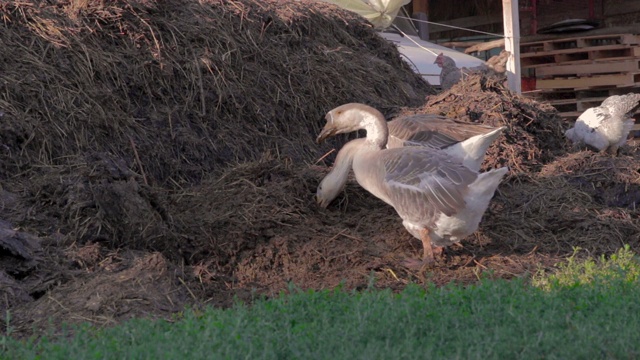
[(379, 12), (418, 53)]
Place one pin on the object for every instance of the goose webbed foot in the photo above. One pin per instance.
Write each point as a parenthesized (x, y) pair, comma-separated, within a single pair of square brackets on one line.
[(416, 264), (430, 253), (613, 150)]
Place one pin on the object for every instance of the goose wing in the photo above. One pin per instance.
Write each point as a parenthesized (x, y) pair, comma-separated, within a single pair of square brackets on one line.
[(422, 182), (432, 130)]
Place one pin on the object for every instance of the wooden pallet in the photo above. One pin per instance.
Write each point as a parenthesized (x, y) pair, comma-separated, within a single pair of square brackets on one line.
[(590, 67), (531, 66), (593, 41), (588, 95), (576, 105), (593, 91), (586, 82), (607, 53)]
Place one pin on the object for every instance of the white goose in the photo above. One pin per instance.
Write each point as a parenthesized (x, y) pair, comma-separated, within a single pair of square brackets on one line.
[(606, 127), (467, 142), (439, 199)]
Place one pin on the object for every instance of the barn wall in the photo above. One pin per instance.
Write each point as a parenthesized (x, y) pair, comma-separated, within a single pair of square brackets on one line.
[(611, 13), (622, 13)]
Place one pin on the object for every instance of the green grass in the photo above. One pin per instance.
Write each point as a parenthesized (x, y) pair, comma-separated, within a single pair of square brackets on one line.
[(586, 319), (623, 265)]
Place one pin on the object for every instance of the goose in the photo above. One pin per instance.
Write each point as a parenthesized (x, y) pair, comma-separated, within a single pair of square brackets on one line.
[(465, 141), (439, 200), (606, 127)]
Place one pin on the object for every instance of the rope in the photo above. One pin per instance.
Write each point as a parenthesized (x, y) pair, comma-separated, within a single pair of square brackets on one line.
[(451, 26), (413, 41)]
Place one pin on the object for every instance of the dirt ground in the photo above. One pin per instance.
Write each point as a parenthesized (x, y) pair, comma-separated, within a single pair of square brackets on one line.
[(148, 165)]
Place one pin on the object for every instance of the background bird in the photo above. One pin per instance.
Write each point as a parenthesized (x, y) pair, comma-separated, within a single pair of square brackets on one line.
[(606, 127), (451, 74)]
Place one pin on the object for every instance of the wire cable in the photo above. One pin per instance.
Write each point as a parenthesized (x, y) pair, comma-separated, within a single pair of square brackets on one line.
[(451, 26)]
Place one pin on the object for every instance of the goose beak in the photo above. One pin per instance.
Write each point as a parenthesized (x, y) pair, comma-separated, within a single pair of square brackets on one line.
[(329, 130), (322, 202)]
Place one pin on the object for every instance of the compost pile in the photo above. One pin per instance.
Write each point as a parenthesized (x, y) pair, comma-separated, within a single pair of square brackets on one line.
[(161, 154)]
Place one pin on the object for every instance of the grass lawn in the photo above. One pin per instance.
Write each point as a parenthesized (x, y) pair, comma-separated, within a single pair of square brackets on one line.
[(586, 310)]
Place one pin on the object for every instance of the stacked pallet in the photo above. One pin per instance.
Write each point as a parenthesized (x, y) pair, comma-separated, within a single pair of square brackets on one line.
[(574, 74)]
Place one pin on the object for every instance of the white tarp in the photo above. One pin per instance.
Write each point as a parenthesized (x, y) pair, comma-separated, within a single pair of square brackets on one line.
[(379, 12), (423, 60), (420, 54)]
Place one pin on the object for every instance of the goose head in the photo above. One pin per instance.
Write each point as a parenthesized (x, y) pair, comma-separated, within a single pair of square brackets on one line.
[(328, 189), (336, 179), (345, 119)]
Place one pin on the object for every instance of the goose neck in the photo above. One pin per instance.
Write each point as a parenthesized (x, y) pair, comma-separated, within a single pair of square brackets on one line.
[(376, 126)]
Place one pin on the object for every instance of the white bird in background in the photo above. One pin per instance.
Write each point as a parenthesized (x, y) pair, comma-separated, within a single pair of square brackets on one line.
[(607, 126), (439, 200)]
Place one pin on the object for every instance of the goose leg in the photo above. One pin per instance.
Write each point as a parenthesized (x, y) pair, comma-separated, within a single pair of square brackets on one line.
[(427, 257), (438, 251), (428, 251)]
